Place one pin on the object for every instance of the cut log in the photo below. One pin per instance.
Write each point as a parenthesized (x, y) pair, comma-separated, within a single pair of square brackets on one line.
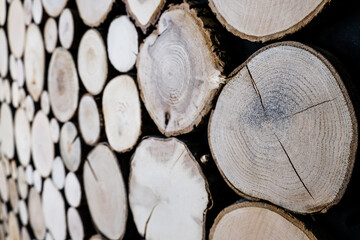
[(28, 11), (3, 11), (13, 169), (7, 91), (22, 137), (14, 230), (25, 234), (29, 108), (179, 93), (54, 130), (174, 195), (15, 94), (4, 189), (72, 190), (92, 61), (270, 131), (145, 13), (54, 210), (12, 67), (94, 12), (50, 35), (42, 145), (75, 225), (36, 215), (16, 28), (13, 195), (34, 61), (37, 11), (122, 42), (54, 8), (121, 108), (66, 28), (22, 186), (58, 173), (63, 85), (257, 221), (20, 72), (45, 102), (89, 120), (37, 181), (7, 131), (104, 186), (6, 166), (70, 146), (48, 236), (29, 174), (23, 213), (4, 54), (263, 20)]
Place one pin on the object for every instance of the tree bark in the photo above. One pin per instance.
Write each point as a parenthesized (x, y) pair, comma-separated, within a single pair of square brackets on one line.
[(269, 131)]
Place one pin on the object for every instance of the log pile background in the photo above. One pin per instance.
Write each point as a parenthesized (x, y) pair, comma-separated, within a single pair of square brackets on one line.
[(75, 133)]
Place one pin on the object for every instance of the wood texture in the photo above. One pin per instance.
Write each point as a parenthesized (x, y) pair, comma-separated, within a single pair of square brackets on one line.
[(16, 28), (284, 129), (94, 12), (70, 146), (54, 8)]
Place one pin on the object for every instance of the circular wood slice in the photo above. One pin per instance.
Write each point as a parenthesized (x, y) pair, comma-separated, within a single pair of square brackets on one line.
[(89, 120), (70, 146), (29, 174), (22, 186), (13, 169), (72, 190), (25, 234), (7, 131), (145, 13), (34, 61), (58, 173), (45, 102), (37, 181), (42, 145), (54, 8), (29, 107), (36, 215), (284, 129), (167, 188), (22, 137), (63, 85), (4, 189), (27, 11), (16, 28), (4, 60), (12, 67), (94, 12), (66, 28), (15, 94), (48, 236), (23, 212), (50, 35), (104, 187), (54, 210), (7, 91), (14, 230), (92, 61), (122, 116), (13, 195), (54, 130), (262, 20), (257, 221), (122, 42), (178, 73), (37, 11), (20, 72), (75, 225), (3, 11)]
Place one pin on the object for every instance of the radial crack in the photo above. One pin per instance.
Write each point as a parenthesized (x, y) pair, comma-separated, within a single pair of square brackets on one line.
[(292, 165), (315, 105), (178, 159), (148, 219), (255, 87), (92, 170)]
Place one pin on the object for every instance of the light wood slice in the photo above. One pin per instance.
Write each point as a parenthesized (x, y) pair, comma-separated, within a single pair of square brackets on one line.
[(16, 28), (70, 146), (72, 190), (75, 225), (27, 11), (63, 85), (104, 187), (122, 116), (94, 12), (54, 130), (20, 72), (145, 13), (2, 97), (168, 193), (178, 73), (23, 213), (4, 189), (4, 60), (37, 11), (15, 94), (89, 120), (54, 210), (48, 236), (3, 12), (22, 186), (66, 28), (29, 174), (50, 35), (6, 165), (13, 195), (92, 61), (7, 91), (54, 7), (36, 215), (29, 108), (12, 67), (25, 234), (58, 173), (37, 181), (22, 137), (42, 145), (13, 169), (122, 42), (45, 102), (7, 131), (263, 20), (284, 129), (257, 221), (14, 230), (34, 61)]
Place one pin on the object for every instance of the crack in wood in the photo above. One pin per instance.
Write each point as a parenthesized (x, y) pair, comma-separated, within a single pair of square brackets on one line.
[(292, 165), (255, 87), (182, 153), (315, 105), (148, 219), (92, 170)]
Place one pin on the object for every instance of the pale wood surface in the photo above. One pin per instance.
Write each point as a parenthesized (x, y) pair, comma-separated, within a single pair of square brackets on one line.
[(22, 137), (16, 28), (50, 34), (94, 12), (70, 146), (54, 7), (66, 28), (89, 120)]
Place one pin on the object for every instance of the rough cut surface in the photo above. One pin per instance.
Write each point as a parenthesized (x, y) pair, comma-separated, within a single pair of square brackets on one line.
[(284, 129), (170, 201), (94, 12), (178, 73)]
